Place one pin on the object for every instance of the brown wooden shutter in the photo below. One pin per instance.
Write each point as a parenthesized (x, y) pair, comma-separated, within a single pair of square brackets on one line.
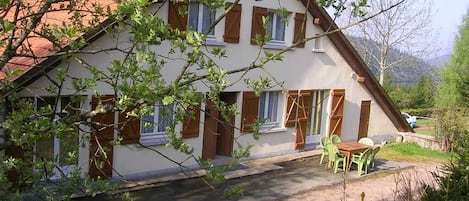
[(17, 176), (102, 136), (175, 19), (300, 29), (257, 26), (190, 125), (337, 112), (364, 119), (250, 111), (131, 130), (233, 24)]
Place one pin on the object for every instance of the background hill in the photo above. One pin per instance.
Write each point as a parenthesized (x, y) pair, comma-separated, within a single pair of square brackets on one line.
[(408, 72)]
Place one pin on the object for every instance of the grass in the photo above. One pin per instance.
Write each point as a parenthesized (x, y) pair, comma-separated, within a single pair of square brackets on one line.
[(412, 152), (426, 127)]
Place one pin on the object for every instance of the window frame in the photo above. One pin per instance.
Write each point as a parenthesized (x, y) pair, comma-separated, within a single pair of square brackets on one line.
[(156, 136), (275, 19), (266, 107), (201, 23)]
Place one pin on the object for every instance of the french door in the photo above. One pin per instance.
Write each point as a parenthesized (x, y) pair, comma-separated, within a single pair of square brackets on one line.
[(316, 117), (62, 151)]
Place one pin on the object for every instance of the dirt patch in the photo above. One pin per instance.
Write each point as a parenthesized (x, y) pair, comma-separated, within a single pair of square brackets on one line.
[(379, 187)]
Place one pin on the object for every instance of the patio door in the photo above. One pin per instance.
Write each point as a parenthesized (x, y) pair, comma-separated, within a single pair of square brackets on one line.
[(57, 149), (317, 116)]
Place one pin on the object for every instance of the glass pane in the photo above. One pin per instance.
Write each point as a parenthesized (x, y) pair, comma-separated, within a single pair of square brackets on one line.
[(269, 30), (147, 123), (165, 116), (262, 102), (44, 103), (45, 149), (194, 15), (208, 18), (273, 106), (280, 29), (318, 112), (68, 153)]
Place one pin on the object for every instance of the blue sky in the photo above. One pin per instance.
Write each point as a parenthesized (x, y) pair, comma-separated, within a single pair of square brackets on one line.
[(446, 20)]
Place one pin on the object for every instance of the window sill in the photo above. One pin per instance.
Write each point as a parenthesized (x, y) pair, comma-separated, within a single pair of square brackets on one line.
[(275, 45), (214, 42), (153, 141), (318, 50), (272, 130)]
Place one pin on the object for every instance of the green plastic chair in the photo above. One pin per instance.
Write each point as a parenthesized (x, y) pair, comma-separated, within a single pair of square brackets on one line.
[(323, 142), (366, 141), (371, 159), (335, 139), (362, 160), (335, 157)]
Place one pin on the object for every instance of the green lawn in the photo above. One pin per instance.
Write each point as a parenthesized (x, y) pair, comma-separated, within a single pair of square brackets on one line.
[(411, 152), (426, 127)]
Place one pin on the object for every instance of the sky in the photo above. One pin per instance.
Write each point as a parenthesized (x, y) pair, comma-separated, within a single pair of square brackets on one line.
[(446, 20)]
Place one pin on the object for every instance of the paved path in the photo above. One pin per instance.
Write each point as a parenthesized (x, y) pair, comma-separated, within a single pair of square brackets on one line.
[(264, 179)]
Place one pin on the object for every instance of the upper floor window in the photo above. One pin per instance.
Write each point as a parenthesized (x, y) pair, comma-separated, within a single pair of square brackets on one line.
[(154, 124), (201, 17), (276, 27)]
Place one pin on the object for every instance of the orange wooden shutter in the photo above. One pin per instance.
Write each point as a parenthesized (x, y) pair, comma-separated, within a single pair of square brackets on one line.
[(190, 125), (250, 111), (131, 130), (175, 19), (233, 24), (294, 113), (292, 103), (337, 112), (300, 29), (257, 26), (102, 136)]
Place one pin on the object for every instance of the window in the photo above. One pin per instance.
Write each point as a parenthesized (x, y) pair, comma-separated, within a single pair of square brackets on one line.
[(318, 45), (153, 125), (264, 108), (276, 27), (201, 17), (58, 149), (268, 109)]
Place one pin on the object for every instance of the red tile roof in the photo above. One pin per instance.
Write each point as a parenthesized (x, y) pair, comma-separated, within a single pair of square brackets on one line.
[(35, 48)]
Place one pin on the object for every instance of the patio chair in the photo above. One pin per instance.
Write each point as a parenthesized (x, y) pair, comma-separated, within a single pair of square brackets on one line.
[(335, 139), (362, 160), (323, 142), (366, 141), (336, 157), (371, 159)]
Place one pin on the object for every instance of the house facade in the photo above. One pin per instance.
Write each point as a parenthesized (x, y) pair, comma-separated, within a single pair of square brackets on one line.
[(326, 89)]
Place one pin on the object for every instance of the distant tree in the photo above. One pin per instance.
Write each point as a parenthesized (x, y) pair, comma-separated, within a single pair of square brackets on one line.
[(423, 93), (394, 30), (454, 87)]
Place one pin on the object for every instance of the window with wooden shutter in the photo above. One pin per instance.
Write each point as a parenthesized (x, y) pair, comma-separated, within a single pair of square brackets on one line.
[(300, 29), (175, 19), (190, 125), (257, 26), (250, 110), (233, 24), (337, 112)]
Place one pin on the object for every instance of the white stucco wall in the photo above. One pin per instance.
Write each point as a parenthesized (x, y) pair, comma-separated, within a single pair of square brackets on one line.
[(301, 69)]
